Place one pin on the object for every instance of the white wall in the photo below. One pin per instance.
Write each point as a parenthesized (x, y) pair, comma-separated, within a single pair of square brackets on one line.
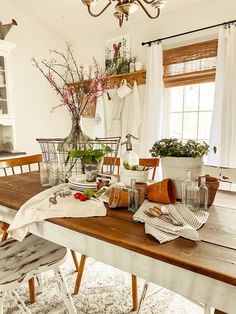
[(33, 97), (202, 14), (187, 18)]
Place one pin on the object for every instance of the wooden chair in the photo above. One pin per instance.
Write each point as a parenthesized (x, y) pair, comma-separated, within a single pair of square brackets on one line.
[(16, 165), (22, 165), (146, 162), (12, 167), (39, 256)]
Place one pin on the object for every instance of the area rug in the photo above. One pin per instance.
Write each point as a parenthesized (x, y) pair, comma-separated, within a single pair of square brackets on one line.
[(104, 290)]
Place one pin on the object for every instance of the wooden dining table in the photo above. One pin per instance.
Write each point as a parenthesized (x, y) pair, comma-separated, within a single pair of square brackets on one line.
[(203, 271)]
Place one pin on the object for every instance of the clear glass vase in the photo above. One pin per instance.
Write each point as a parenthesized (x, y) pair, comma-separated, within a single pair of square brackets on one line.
[(92, 170), (75, 139)]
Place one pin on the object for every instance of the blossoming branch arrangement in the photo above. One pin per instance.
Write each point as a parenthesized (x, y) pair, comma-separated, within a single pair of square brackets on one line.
[(62, 72)]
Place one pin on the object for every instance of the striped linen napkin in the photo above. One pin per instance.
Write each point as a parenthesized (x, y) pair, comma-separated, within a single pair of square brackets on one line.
[(163, 230)]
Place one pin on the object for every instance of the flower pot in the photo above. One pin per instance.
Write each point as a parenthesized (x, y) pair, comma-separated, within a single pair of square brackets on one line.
[(126, 176), (212, 185), (175, 168), (162, 192)]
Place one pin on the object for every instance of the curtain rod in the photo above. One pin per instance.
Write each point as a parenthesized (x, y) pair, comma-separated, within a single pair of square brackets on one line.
[(186, 33)]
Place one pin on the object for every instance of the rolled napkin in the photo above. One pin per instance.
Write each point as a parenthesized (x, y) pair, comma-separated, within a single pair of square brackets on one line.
[(163, 229), (43, 206)]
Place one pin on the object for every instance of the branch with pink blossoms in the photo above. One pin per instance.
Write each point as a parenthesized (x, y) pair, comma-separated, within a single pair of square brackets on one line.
[(63, 75)]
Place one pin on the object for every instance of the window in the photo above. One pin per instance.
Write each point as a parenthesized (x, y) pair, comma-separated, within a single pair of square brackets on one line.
[(189, 78), (190, 111)]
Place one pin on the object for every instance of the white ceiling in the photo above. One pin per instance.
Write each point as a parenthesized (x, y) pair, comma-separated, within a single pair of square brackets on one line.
[(70, 19)]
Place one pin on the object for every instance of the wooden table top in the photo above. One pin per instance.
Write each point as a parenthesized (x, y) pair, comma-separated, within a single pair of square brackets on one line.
[(118, 228)]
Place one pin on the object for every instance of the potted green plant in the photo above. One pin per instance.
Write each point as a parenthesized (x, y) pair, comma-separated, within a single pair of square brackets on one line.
[(91, 159), (177, 157)]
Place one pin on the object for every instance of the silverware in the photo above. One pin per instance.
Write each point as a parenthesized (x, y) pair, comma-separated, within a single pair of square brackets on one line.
[(61, 193), (153, 212)]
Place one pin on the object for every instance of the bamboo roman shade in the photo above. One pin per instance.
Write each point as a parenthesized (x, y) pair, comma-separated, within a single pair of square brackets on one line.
[(190, 64)]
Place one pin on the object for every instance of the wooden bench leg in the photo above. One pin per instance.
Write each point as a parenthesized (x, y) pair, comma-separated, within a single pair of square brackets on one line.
[(75, 259), (32, 290), (80, 273), (134, 293)]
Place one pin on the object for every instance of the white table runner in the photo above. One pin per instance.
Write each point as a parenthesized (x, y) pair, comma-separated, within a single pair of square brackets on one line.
[(39, 208)]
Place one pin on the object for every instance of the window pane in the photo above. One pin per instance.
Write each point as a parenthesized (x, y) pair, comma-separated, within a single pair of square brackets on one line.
[(176, 99), (176, 125), (191, 93), (190, 125), (204, 125), (207, 91)]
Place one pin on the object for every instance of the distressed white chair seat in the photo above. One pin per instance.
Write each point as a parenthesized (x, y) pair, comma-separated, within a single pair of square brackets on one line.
[(20, 261)]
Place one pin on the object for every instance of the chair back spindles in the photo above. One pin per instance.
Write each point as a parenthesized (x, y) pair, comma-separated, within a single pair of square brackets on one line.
[(16, 165), (145, 162)]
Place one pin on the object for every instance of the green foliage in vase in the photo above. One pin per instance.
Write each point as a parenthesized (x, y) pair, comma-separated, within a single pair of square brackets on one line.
[(90, 155), (173, 147), (127, 166)]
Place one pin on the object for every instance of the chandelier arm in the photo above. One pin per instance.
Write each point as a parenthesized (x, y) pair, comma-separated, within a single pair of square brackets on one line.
[(149, 2), (145, 10), (121, 20), (98, 14)]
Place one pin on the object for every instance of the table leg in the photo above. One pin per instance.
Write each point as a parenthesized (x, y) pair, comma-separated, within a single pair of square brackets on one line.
[(80, 273), (74, 256), (143, 297), (4, 227), (134, 293)]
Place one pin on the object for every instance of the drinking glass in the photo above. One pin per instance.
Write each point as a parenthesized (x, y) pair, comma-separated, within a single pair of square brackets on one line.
[(44, 174)]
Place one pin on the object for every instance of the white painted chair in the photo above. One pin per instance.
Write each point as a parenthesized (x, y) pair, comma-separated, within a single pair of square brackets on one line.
[(21, 261)]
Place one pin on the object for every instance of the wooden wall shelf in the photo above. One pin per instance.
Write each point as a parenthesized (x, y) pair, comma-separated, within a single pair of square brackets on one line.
[(138, 76)]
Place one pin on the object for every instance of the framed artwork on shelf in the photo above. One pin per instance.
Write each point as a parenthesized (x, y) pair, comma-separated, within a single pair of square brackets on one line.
[(117, 55)]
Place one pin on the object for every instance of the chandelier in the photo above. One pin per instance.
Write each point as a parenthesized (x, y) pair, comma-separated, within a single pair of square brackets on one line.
[(123, 8)]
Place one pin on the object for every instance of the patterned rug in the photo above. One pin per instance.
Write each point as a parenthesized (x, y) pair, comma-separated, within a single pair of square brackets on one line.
[(104, 290)]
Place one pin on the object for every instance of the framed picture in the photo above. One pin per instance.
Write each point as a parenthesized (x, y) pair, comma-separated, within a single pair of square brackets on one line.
[(117, 55)]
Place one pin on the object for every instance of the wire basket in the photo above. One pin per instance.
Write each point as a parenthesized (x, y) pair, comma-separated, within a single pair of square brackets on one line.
[(57, 150)]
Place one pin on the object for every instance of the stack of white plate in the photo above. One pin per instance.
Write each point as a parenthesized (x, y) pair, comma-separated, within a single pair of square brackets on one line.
[(79, 183)]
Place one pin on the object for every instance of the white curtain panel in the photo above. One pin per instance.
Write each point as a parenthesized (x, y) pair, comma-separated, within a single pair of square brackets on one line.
[(223, 128), (153, 102)]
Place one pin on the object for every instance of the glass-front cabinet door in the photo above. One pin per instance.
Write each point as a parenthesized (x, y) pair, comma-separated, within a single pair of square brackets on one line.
[(3, 87), (7, 138)]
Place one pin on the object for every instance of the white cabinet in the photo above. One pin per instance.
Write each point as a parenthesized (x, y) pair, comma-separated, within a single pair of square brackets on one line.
[(6, 108)]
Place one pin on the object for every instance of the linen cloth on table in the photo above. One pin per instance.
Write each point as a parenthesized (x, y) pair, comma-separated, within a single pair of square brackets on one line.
[(163, 230), (39, 208)]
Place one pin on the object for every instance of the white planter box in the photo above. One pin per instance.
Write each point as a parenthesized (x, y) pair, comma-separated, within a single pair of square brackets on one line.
[(175, 168), (139, 176)]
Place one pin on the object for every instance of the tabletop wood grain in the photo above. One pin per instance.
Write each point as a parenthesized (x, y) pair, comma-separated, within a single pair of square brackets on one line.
[(118, 228)]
